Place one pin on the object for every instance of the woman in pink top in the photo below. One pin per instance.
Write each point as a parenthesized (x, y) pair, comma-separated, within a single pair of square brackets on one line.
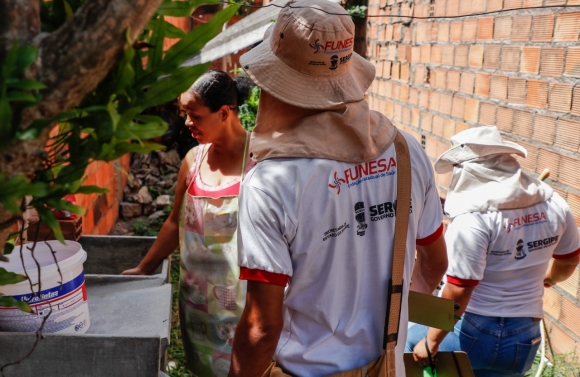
[(204, 221)]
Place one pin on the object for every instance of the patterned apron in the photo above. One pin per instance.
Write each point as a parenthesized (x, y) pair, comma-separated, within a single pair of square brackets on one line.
[(211, 296)]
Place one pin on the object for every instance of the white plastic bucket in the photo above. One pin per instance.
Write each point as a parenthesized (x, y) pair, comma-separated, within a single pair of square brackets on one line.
[(70, 309)]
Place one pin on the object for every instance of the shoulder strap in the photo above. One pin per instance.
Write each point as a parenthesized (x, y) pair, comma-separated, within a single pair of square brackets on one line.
[(395, 289)]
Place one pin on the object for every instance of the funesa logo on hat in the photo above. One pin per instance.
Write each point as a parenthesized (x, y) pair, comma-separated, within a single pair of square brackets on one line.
[(306, 58)]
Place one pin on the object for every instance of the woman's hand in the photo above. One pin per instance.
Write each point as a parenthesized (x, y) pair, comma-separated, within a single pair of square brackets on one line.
[(421, 356), (135, 271)]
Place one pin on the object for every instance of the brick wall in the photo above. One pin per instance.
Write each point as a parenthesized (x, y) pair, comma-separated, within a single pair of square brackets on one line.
[(102, 210), (517, 68)]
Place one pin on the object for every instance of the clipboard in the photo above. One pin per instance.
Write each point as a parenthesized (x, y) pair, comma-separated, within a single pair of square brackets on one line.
[(449, 364), (431, 311)]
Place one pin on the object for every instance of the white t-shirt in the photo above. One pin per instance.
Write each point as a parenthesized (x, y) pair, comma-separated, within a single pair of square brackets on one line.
[(326, 228), (505, 254)]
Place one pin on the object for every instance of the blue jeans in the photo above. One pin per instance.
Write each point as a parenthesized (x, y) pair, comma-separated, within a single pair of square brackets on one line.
[(496, 346)]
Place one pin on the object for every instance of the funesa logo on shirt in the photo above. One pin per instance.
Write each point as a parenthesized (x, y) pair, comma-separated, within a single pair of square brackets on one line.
[(526, 220), (361, 173)]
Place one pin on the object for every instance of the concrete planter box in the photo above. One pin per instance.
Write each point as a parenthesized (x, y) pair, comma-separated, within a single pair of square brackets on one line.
[(130, 320)]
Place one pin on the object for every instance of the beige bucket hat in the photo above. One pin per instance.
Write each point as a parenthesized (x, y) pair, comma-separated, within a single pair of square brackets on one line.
[(307, 57), (476, 143)]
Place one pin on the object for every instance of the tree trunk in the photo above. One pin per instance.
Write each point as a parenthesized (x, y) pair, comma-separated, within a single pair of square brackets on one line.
[(72, 62)]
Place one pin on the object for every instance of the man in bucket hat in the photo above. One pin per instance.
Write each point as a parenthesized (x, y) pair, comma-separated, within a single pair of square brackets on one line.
[(317, 213), (506, 227)]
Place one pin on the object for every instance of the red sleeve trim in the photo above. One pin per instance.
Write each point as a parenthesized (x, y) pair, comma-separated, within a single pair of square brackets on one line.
[(565, 256), (263, 276), (430, 239), (462, 282)]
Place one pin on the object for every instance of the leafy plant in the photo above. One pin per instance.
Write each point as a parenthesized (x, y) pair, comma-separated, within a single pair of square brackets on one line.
[(562, 365), (249, 109), (110, 121), (357, 11)]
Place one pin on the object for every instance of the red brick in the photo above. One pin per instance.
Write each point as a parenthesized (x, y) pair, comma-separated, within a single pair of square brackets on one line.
[(471, 110), (570, 316), (510, 58), (448, 129), (434, 31), (482, 84), (425, 53), (544, 129), (405, 72), (498, 89), (567, 27), (465, 7), (415, 117), (530, 60), (576, 101), (438, 125), (416, 54), (402, 53), (458, 108), (452, 8), (448, 54), (555, 2), (455, 31), (487, 113), (427, 121), (569, 168), (517, 90), (443, 32), (397, 32), (505, 118), (461, 55), (485, 29), (476, 56), (560, 97), (453, 78), (521, 28), (537, 94), (503, 28), (532, 3), (396, 70), (424, 98), (568, 134), (573, 62), (493, 5), (491, 57), (469, 29), (406, 115), (440, 8), (436, 54), (543, 28), (419, 77), (467, 82), (440, 78), (530, 161), (459, 126), (551, 161), (552, 303), (434, 98), (421, 32), (561, 342), (512, 4), (552, 61), (446, 103), (523, 121), (404, 93)]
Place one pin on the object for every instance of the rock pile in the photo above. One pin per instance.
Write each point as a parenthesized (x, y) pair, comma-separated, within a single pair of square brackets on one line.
[(151, 185)]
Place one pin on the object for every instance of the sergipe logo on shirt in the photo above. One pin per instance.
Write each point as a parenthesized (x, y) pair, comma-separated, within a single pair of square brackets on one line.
[(520, 254), (540, 244), (361, 173), (359, 214)]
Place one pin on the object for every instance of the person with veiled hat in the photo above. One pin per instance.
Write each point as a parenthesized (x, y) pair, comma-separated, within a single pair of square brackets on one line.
[(506, 227), (317, 213)]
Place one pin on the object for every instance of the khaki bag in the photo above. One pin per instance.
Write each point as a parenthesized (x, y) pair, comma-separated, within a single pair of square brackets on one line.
[(384, 366)]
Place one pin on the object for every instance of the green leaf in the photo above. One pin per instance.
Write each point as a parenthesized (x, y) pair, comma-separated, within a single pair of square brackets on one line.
[(6, 130), (34, 130), (182, 8), (10, 302), (22, 97), (91, 190), (155, 53), (26, 84), (169, 87), (68, 10), (192, 43), (172, 31), (25, 56), (141, 131), (19, 186), (7, 277), (48, 218), (65, 205), (138, 148), (8, 247)]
